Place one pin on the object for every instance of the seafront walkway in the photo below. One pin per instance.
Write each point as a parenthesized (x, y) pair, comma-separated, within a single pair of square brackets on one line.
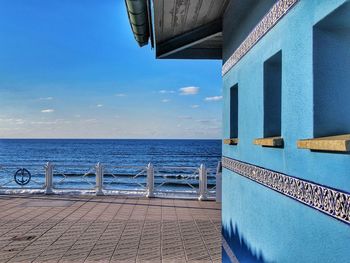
[(62, 228)]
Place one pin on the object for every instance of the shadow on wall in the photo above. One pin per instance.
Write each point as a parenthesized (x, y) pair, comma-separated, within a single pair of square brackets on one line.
[(244, 252)]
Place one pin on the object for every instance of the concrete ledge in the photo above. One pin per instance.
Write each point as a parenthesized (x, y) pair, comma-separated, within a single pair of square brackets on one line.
[(231, 141), (338, 143), (270, 142)]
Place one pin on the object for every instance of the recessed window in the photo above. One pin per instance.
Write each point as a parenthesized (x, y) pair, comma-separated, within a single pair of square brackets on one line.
[(234, 111), (331, 94), (331, 60), (272, 95)]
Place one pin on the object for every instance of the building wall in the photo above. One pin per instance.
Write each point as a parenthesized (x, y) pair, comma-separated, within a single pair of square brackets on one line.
[(259, 224), (240, 18)]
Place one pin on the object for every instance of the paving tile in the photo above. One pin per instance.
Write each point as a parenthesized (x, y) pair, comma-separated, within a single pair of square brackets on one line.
[(108, 229)]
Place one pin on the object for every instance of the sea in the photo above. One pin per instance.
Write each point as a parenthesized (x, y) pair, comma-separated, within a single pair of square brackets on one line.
[(175, 162)]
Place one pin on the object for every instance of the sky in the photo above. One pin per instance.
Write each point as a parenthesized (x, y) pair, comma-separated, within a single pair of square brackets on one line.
[(72, 69)]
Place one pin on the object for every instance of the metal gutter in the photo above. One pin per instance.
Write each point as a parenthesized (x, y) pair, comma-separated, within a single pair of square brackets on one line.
[(138, 13)]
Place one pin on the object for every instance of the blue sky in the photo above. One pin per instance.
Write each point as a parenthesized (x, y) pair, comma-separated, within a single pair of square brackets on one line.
[(72, 69)]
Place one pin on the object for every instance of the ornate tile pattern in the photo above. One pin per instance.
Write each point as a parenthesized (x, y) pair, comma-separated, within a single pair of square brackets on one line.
[(330, 201), (268, 22)]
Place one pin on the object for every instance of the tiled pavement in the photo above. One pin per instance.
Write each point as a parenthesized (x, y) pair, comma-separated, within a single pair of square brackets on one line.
[(108, 229)]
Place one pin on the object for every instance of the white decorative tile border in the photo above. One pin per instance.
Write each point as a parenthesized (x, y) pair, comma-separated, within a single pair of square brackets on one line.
[(330, 201), (269, 21)]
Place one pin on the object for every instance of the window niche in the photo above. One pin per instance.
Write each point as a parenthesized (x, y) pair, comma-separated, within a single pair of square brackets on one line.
[(331, 73), (272, 97), (233, 140)]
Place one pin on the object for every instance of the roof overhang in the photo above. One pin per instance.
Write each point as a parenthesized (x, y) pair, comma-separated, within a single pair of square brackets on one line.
[(201, 42), (186, 29)]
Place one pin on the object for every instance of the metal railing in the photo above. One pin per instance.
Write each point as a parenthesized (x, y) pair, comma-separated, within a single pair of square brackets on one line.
[(14, 177), (150, 181), (69, 177), (124, 178)]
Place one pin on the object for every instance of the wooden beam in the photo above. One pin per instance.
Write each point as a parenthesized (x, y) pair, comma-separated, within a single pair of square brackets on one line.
[(269, 142), (338, 143), (188, 39), (231, 141), (197, 53)]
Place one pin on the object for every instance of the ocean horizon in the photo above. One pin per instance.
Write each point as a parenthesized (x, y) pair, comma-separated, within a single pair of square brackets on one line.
[(76, 157), (111, 151)]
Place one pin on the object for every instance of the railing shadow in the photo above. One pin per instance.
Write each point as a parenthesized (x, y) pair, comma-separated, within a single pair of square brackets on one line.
[(241, 248), (101, 200)]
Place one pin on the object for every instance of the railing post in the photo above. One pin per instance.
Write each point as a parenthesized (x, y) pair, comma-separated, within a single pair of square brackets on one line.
[(48, 178), (99, 179), (202, 183), (150, 181), (219, 182)]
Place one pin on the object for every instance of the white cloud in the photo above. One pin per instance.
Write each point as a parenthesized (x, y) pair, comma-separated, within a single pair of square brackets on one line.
[(204, 121), (48, 111), (163, 91), (19, 121), (214, 128), (90, 120), (195, 106), (99, 105), (7, 120), (46, 98), (63, 121), (189, 91), (165, 100), (213, 98), (42, 122), (57, 121), (185, 117), (120, 95), (12, 121), (11, 129)]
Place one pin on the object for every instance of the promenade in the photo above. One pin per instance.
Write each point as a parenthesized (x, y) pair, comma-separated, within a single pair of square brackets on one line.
[(55, 228)]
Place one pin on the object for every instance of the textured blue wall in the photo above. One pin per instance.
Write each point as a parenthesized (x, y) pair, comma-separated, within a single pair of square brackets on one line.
[(264, 225), (241, 18)]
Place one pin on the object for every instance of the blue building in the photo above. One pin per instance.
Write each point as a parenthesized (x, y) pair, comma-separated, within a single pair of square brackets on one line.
[(286, 135)]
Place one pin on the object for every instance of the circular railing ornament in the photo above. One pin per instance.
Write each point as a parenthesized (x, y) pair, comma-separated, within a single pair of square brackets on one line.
[(22, 176)]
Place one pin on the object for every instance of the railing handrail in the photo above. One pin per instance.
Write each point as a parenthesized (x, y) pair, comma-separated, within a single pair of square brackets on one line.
[(151, 181), (177, 167), (124, 167), (57, 165)]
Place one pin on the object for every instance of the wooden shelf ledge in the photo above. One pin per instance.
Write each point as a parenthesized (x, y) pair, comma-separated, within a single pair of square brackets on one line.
[(231, 141), (270, 142), (338, 143)]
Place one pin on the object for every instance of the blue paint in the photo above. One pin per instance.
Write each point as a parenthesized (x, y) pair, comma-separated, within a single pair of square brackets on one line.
[(275, 228), (240, 19), (272, 227)]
